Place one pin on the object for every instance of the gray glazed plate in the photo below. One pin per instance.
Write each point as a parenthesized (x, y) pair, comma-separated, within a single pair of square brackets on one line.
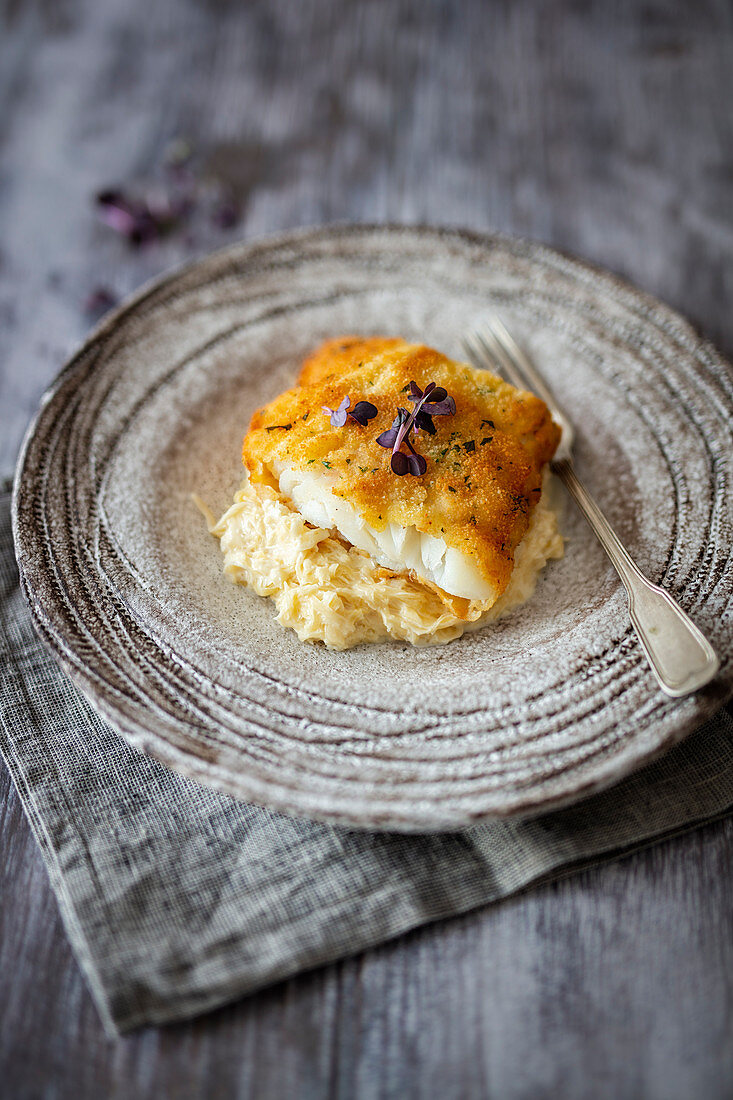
[(551, 703)]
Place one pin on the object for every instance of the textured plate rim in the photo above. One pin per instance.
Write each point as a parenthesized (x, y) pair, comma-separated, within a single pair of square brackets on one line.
[(143, 736)]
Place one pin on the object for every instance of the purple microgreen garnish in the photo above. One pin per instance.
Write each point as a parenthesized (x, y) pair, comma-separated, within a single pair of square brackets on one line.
[(439, 404), (411, 463), (400, 463), (389, 438), (424, 421), (362, 412), (417, 463), (430, 402)]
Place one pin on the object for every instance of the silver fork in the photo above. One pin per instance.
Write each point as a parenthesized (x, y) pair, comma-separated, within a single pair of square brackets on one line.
[(681, 657)]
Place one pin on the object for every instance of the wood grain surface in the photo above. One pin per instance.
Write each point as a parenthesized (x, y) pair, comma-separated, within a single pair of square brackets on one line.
[(599, 126)]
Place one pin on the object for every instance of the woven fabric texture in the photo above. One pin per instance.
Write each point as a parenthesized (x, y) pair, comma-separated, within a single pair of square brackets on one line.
[(177, 899)]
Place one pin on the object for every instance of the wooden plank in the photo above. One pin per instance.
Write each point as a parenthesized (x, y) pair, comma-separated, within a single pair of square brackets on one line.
[(604, 128)]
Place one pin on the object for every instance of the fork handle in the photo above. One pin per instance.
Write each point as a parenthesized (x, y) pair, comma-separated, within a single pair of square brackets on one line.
[(681, 657)]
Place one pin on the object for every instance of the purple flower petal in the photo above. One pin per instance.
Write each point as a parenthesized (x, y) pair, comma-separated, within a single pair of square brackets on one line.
[(338, 416), (338, 419)]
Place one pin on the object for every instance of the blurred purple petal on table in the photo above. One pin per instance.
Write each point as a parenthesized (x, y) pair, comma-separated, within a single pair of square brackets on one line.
[(183, 189), (99, 301), (225, 213), (133, 218)]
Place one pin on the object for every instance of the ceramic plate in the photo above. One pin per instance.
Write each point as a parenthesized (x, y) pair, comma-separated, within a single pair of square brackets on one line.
[(549, 704)]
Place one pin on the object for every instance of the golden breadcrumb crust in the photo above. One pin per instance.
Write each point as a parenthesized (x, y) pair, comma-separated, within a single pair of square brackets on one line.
[(485, 463)]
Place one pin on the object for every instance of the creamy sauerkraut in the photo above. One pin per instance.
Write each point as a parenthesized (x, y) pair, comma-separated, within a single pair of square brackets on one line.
[(329, 591)]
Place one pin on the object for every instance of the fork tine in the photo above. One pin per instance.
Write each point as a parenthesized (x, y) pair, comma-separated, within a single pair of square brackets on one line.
[(531, 378), (469, 346), (494, 349), (477, 354), (484, 353), (491, 346), (487, 353)]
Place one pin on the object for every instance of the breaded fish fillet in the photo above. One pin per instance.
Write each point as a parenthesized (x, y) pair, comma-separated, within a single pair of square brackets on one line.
[(457, 525)]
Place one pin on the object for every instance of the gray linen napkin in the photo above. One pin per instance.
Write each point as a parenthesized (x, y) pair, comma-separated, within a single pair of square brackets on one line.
[(177, 899)]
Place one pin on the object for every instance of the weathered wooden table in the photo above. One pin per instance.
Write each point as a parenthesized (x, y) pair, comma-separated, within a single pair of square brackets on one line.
[(601, 127)]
